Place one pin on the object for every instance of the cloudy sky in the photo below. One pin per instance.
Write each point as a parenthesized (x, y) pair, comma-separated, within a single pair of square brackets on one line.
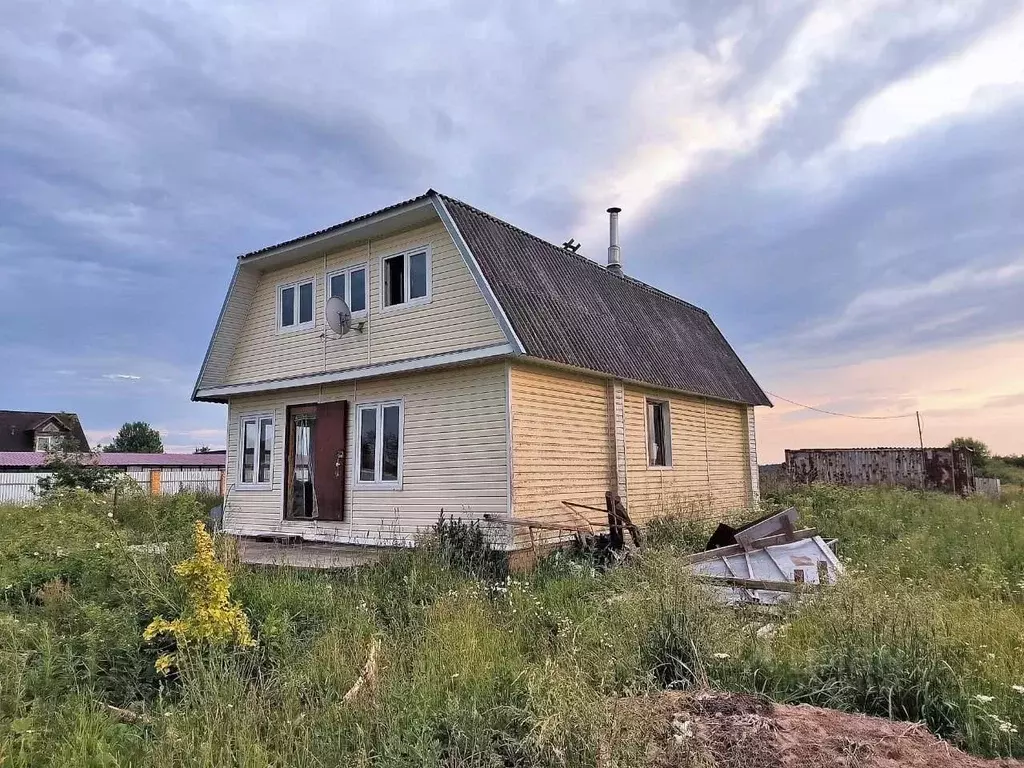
[(841, 184)]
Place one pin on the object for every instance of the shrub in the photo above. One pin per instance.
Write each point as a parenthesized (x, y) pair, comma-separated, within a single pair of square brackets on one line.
[(209, 617), (464, 546)]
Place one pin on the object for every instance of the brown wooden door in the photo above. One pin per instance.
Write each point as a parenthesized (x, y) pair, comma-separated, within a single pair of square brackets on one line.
[(330, 459)]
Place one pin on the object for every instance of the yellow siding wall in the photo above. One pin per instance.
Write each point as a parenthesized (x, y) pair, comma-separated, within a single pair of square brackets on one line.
[(454, 457), (563, 449), (457, 317), (710, 459), (562, 446)]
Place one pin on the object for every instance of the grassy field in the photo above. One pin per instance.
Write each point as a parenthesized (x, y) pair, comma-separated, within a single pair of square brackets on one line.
[(480, 669)]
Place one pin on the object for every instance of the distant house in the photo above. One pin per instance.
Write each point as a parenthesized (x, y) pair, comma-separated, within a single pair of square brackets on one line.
[(38, 431), (487, 372)]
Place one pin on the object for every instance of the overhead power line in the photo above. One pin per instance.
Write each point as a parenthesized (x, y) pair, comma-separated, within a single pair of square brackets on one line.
[(835, 413)]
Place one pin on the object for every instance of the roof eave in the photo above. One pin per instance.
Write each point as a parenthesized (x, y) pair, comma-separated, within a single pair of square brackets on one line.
[(335, 237), (543, 361)]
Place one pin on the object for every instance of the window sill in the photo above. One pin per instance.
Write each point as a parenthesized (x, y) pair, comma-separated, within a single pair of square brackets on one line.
[(405, 305), (366, 485), (254, 486), (296, 328), (660, 467)]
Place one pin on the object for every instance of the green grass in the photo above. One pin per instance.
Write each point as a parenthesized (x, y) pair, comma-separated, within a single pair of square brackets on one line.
[(928, 624)]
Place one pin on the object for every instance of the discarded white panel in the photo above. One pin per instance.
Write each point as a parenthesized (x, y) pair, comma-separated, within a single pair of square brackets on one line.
[(808, 561)]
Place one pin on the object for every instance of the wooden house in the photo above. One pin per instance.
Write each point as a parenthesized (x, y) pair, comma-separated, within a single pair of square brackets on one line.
[(487, 372)]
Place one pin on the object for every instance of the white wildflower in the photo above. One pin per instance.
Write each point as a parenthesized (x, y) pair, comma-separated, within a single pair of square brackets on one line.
[(1018, 688), (983, 698), (720, 655), (110, 515)]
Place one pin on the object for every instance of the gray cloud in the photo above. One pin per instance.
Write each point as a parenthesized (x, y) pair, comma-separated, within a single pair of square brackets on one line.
[(142, 146)]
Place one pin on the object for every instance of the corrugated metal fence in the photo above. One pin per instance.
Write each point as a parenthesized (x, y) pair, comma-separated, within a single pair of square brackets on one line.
[(22, 487), (940, 469), (19, 487)]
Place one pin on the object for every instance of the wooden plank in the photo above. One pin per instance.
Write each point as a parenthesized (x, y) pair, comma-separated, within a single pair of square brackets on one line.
[(541, 524), (736, 549), (782, 522), (757, 584)]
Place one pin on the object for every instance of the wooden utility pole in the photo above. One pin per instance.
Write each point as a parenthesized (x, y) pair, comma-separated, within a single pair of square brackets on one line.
[(920, 434)]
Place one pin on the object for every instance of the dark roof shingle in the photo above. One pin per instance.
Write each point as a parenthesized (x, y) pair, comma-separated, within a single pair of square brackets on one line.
[(568, 309)]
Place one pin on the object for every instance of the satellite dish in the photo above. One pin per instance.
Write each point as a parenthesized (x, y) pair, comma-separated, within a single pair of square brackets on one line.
[(338, 315)]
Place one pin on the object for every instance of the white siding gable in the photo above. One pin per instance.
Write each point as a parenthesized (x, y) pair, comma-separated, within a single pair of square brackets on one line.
[(456, 317)]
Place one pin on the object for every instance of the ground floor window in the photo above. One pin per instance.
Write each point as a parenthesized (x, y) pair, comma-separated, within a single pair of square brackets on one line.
[(379, 453), (659, 434), (256, 439)]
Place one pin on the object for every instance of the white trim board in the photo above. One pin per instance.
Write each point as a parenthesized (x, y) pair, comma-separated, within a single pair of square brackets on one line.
[(215, 394)]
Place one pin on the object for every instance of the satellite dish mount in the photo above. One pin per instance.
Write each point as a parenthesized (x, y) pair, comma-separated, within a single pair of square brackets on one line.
[(339, 317)]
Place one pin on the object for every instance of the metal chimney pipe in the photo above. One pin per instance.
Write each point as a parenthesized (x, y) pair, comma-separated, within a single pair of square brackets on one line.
[(614, 252)]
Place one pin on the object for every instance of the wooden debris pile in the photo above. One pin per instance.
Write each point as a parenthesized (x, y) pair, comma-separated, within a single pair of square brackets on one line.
[(767, 561)]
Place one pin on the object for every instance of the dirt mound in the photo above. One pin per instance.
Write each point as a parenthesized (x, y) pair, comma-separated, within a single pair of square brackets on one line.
[(722, 730)]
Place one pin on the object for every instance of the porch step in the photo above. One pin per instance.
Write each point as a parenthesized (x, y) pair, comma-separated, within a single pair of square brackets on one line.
[(304, 554)]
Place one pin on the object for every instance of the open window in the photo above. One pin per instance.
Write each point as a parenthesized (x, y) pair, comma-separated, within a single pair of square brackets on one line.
[(350, 284), (256, 443), (315, 461), (379, 460), (406, 278), (659, 434), (295, 305)]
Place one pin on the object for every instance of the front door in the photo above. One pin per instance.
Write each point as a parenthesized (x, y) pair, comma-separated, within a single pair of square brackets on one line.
[(315, 461)]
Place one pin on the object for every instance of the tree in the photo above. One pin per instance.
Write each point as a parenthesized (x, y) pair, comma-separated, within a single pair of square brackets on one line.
[(71, 468), (136, 437), (980, 451)]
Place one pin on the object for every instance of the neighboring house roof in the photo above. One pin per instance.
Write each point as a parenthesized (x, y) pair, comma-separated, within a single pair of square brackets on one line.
[(17, 428), (569, 309), (38, 459), (565, 308)]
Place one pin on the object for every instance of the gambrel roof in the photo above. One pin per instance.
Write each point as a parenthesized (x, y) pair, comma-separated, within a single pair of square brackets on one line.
[(557, 306), (569, 309)]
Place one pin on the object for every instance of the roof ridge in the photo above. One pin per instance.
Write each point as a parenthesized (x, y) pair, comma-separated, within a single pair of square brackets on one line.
[(584, 259)]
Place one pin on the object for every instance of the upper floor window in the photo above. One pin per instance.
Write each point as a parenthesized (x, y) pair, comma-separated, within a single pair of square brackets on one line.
[(350, 285), (659, 434), (46, 442), (406, 278), (295, 305)]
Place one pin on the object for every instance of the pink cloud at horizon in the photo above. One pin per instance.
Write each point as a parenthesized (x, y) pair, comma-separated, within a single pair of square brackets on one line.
[(975, 390)]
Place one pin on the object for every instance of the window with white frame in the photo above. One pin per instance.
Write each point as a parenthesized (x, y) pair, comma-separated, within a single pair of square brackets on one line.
[(256, 448), (406, 278), (659, 434), (46, 442), (295, 305), (349, 284), (379, 453)]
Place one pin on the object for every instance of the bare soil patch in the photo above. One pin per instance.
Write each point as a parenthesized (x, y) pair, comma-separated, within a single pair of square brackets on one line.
[(711, 729)]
